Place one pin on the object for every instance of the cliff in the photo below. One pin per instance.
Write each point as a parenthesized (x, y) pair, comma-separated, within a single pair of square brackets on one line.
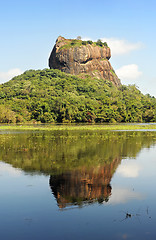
[(78, 57)]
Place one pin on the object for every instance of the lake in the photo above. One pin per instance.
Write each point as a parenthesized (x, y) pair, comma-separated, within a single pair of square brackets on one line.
[(77, 185)]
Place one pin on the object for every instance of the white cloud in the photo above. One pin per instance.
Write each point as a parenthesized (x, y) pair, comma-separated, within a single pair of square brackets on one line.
[(127, 72), (5, 76), (123, 195), (121, 46), (129, 169)]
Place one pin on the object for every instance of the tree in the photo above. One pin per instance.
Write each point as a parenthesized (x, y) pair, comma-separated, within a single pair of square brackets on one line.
[(78, 38), (99, 43)]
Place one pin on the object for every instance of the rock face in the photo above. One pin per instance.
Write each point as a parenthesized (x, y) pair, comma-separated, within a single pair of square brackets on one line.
[(77, 57), (81, 186)]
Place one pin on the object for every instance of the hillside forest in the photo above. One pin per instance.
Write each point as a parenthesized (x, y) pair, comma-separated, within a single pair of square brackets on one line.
[(51, 96)]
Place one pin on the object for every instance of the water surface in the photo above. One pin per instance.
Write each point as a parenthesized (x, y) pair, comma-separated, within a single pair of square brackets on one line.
[(77, 185)]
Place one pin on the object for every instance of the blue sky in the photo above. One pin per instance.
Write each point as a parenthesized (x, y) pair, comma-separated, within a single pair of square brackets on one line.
[(29, 29)]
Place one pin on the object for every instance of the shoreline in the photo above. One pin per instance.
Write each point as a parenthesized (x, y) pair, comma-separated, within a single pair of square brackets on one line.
[(61, 127)]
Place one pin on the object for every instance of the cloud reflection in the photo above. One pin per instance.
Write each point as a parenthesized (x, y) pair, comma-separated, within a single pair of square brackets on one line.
[(123, 195), (8, 169), (129, 169)]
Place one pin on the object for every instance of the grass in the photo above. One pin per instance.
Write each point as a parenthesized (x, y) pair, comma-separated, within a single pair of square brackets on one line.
[(71, 44), (51, 127)]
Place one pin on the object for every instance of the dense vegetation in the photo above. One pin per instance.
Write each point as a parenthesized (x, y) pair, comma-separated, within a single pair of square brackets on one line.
[(53, 96)]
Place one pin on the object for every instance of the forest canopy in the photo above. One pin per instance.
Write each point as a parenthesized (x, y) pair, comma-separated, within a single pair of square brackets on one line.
[(51, 96)]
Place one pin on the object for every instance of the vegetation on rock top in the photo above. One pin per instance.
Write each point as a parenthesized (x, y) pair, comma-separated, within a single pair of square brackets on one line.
[(70, 43)]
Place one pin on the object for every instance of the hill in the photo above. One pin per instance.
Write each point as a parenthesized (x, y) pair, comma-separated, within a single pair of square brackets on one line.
[(50, 95)]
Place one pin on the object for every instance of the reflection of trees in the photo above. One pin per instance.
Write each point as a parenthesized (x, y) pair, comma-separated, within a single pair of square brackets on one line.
[(56, 151), (80, 164), (83, 185)]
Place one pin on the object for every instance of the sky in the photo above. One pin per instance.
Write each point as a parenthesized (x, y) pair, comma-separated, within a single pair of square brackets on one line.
[(29, 29)]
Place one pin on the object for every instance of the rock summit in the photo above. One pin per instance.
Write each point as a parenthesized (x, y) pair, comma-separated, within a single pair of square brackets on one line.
[(79, 57)]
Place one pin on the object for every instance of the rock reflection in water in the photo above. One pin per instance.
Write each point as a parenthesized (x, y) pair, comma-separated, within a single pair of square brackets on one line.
[(83, 186)]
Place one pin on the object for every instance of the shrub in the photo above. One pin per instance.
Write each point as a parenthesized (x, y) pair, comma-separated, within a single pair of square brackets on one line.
[(72, 43), (105, 44), (90, 42), (84, 42), (99, 43)]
